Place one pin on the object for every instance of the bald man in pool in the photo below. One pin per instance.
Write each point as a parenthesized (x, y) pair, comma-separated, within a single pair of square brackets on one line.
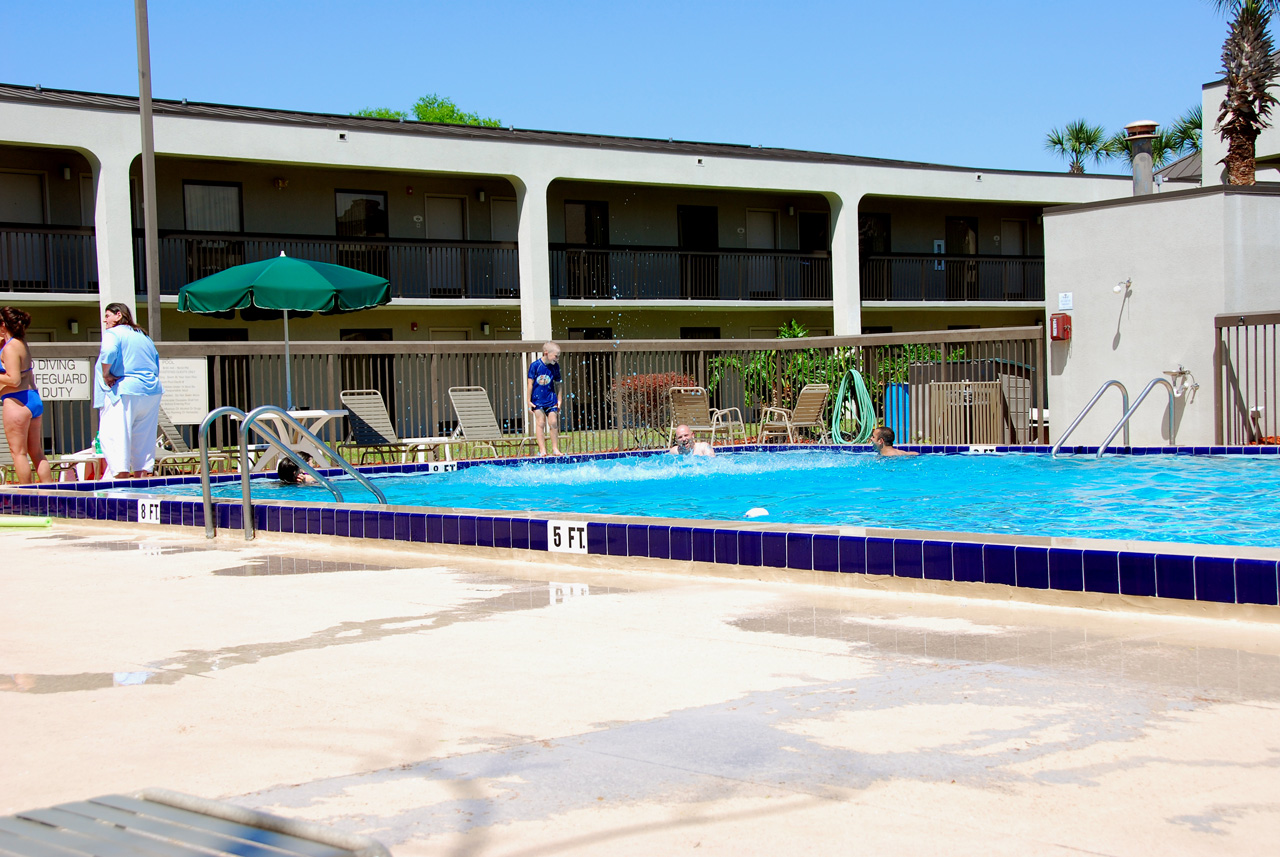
[(687, 445), (882, 439)]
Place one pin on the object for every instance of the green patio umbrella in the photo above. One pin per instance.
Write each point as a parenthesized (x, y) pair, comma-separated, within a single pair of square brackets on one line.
[(285, 283)]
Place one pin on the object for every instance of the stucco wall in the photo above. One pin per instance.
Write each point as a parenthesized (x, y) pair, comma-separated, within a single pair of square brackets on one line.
[(1190, 255)]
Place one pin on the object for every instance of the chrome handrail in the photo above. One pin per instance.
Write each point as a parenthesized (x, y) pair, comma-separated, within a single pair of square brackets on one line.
[(1124, 420), (1124, 406), (248, 421)]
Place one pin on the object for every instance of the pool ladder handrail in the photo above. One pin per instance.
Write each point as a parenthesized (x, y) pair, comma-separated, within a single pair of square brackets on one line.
[(1124, 408), (247, 422), (1124, 420)]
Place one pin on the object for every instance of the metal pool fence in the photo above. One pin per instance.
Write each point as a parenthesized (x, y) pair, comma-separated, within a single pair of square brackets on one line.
[(614, 393), (1247, 374)]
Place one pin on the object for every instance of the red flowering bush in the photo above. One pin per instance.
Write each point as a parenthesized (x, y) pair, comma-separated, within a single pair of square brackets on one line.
[(644, 400)]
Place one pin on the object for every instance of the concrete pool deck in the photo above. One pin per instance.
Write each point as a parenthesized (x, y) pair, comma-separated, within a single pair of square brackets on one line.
[(448, 705)]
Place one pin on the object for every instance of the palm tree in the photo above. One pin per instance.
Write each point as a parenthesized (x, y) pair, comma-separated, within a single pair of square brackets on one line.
[(1079, 142), (1163, 147), (1250, 65), (1186, 131)]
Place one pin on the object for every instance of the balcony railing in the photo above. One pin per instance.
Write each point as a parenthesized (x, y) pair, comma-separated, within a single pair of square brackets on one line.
[(47, 258), (663, 273), (416, 269), (924, 277)]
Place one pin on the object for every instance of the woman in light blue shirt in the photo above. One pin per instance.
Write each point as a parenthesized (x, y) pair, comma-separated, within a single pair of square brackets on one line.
[(129, 368)]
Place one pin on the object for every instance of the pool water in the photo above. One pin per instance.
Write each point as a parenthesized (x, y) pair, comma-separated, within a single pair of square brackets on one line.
[(1208, 500)]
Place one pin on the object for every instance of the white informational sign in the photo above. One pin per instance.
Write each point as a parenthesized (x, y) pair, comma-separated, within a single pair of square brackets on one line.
[(186, 389), (442, 466), (567, 536), (148, 511), (1066, 300), (63, 379)]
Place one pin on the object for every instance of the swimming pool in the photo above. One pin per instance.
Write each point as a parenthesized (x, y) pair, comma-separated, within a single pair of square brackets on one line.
[(1199, 500), (1187, 530)]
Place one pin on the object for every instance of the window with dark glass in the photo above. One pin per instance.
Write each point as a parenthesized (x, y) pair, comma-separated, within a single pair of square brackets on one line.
[(361, 213)]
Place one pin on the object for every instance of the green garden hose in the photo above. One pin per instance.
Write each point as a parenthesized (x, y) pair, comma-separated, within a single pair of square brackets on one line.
[(864, 412)]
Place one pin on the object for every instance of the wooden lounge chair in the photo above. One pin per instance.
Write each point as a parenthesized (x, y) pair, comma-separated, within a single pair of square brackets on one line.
[(808, 413), (372, 434), (477, 423), (691, 406), (156, 822), (175, 456)]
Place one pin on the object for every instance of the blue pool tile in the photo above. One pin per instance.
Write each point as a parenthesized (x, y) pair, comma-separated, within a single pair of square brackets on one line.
[(501, 532), (259, 515), (341, 521), (681, 543), (1101, 572), (660, 542), (1031, 567), (1137, 574), (1066, 569), (1215, 579), (937, 560), (1175, 577), (166, 510), (273, 520), (637, 540), (704, 545), (467, 530), (616, 537), (313, 522), (538, 535), (773, 549), (327, 522), (800, 551), (966, 562), (189, 515), (726, 542), (450, 529), (826, 553), (236, 517), (750, 548), (484, 532), (387, 526), (597, 542), (908, 558), (401, 526), (998, 565), (418, 528), (520, 533), (355, 523), (879, 556), (1256, 581)]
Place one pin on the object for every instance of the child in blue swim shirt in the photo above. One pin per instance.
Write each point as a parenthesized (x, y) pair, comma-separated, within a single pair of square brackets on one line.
[(543, 399)]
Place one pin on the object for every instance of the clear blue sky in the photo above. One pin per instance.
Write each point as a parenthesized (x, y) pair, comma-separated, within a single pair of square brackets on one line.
[(975, 84)]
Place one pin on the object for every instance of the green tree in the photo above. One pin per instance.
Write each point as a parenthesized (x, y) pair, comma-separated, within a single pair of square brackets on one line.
[(432, 108), (1163, 147), (1249, 64), (1187, 131), (1079, 143)]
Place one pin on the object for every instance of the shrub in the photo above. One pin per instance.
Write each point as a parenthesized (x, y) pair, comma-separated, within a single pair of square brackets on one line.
[(644, 400)]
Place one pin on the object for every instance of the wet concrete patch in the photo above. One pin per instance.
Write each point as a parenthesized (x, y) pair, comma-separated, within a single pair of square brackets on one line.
[(802, 740), (271, 565), (492, 595), (1217, 671)]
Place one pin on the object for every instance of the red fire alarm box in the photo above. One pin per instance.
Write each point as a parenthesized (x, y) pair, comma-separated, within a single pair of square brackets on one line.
[(1059, 327)]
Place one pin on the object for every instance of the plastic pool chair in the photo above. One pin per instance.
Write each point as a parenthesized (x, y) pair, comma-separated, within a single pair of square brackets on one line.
[(691, 406), (174, 455), (808, 413), (372, 433), (161, 822), (477, 423)]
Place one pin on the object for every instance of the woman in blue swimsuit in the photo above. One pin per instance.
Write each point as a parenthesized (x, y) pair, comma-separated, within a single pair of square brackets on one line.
[(23, 408)]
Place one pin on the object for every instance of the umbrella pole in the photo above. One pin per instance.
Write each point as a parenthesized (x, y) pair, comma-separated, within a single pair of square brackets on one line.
[(288, 368)]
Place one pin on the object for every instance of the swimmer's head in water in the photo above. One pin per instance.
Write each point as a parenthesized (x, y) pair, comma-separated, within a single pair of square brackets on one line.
[(684, 440)]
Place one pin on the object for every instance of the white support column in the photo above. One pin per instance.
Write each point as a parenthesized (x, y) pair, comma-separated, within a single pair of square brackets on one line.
[(113, 227), (535, 264), (846, 295)]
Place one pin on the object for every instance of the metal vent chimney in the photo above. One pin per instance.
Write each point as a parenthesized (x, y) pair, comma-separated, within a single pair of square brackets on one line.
[(1140, 135)]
